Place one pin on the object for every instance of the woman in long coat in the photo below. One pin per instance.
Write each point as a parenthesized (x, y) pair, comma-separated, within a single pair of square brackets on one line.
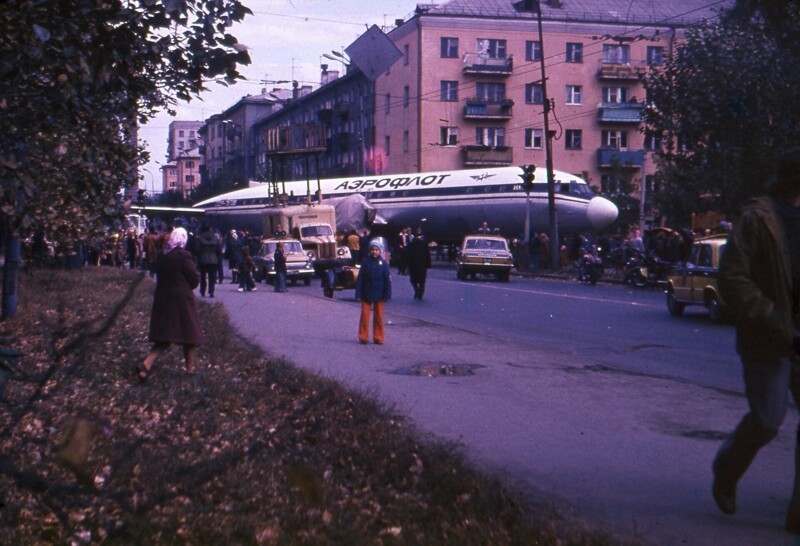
[(174, 317)]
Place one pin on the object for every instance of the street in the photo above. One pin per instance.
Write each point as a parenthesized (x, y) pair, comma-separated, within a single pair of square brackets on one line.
[(592, 400)]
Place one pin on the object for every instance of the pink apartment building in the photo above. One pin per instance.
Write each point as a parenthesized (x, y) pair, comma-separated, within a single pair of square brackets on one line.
[(468, 90)]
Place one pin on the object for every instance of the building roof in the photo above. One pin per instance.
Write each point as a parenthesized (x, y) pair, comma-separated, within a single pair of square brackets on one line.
[(649, 12)]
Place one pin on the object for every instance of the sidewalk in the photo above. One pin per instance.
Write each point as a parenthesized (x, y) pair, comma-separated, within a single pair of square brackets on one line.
[(621, 450)]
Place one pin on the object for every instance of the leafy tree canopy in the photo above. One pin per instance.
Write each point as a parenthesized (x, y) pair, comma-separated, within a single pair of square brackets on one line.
[(76, 77), (726, 105)]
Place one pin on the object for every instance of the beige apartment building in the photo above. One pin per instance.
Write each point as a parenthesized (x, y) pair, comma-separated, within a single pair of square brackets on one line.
[(468, 90)]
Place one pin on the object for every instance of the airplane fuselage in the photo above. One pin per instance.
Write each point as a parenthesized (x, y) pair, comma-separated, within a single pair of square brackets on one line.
[(446, 204)]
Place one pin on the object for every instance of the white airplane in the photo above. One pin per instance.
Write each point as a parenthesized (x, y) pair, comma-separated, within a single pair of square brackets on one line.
[(446, 204)]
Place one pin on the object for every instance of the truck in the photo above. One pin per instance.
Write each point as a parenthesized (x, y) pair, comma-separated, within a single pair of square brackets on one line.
[(313, 225)]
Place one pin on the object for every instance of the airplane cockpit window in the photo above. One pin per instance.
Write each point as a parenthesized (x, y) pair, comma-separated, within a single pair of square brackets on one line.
[(580, 189)]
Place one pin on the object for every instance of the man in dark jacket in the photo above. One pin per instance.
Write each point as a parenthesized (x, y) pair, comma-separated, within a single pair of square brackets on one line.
[(419, 261), (760, 283), (208, 246), (373, 288)]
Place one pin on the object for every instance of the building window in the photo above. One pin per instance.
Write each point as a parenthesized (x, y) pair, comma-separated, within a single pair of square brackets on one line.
[(490, 136), (180, 134), (406, 94), (574, 94), (490, 91), (449, 48), (493, 49), (615, 95), (533, 139), (652, 142), (190, 178), (608, 184), (387, 144), (180, 145), (574, 52), (573, 139), (448, 136), (405, 142), (449, 91), (616, 54), (615, 140), (655, 55), (534, 93), (533, 51), (405, 54), (388, 102), (189, 165)]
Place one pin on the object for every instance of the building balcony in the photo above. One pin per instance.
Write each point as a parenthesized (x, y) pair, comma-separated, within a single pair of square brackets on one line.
[(481, 64), (479, 156), (611, 71), (609, 157), (295, 139), (625, 112), (488, 109)]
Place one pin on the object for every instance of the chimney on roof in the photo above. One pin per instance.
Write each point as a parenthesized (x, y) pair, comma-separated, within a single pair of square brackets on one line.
[(398, 22)]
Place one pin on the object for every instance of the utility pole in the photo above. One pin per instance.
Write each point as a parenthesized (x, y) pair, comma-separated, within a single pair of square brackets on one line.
[(548, 148)]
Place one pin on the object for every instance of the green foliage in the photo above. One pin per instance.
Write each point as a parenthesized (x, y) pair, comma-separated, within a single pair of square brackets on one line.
[(75, 79), (726, 106)]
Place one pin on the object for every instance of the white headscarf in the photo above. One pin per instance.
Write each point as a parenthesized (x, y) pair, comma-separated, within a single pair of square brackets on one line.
[(177, 239)]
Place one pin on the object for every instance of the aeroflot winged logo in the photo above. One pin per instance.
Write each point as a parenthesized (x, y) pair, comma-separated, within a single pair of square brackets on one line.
[(482, 177)]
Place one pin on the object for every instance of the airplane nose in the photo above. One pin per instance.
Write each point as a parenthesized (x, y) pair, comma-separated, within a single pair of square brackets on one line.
[(601, 212)]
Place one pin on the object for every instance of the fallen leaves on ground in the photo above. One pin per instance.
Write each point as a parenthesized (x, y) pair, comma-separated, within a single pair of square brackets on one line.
[(249, 450)]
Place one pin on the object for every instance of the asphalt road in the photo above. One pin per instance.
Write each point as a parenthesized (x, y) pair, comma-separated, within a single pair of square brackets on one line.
[(590, 411)]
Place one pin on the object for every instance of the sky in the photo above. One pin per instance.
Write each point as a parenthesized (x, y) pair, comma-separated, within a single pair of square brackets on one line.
[(286, 40)]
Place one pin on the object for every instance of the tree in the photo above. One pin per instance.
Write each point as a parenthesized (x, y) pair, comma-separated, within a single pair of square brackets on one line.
[(76, 77), (725, 105)]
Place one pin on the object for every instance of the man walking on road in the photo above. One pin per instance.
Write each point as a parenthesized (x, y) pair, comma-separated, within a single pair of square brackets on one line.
[(419, 261), (760, 282)]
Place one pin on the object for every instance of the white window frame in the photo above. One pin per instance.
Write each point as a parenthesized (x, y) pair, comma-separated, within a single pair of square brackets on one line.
[(448, 136), (571, 136), (534, 91), (533, 50), (574, 52), (615, 139), (448, 91), (534, 138), (494, 137), (491, 48), (615, 95), (616, 54), (574, 95)]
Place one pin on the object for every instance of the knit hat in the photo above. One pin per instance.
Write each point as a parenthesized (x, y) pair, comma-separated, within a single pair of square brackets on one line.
[(376, 243)]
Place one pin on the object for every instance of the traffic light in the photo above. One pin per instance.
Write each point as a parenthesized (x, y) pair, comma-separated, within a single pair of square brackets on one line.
[(527, 177)]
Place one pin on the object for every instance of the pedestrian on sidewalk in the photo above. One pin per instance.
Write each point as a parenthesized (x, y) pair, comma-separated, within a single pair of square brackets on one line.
[(373, 289), (760, 282), (280, 268), (209, 247), (246, 267), (419, 261), (174, 317)]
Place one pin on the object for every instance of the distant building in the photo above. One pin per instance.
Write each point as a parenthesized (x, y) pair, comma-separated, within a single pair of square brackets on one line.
[(228, 136), (182, 173)]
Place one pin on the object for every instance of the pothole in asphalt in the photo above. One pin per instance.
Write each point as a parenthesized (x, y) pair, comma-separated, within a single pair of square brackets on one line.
[(705, 434), (438, 369)]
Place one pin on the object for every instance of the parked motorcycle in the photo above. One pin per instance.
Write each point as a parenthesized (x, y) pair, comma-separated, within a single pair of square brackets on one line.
[(590, 268), (641, 271)]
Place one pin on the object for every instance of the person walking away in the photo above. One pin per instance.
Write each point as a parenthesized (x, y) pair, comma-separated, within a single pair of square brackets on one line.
[(419, 261), (246, 266), (174, 317), (373, 289), (280, 269), (152, 241), (760, 283), (208, 250), (233, 251)]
